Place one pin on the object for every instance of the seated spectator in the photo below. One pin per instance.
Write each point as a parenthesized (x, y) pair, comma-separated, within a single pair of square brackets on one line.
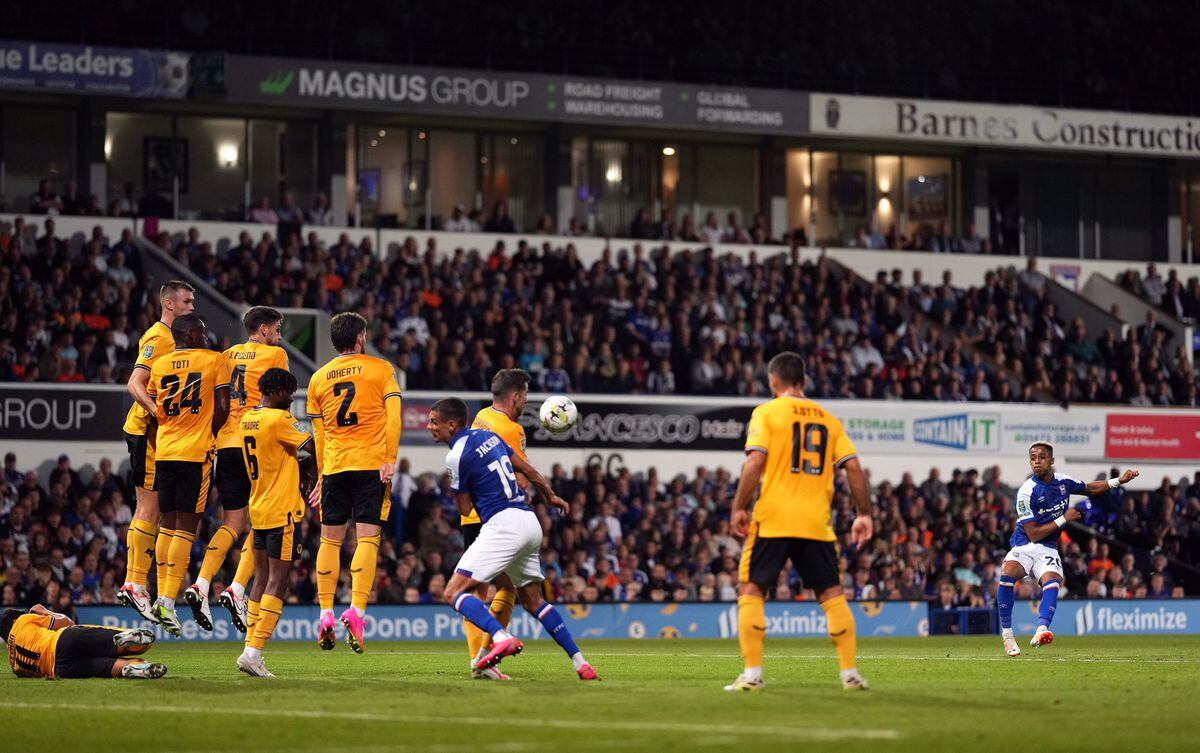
[(263, 213), (499, 221), (44, 200), (320, 213)]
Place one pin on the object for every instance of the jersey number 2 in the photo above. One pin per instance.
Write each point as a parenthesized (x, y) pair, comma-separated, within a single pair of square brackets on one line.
[(345, 416), (816, 440), (508, 477)]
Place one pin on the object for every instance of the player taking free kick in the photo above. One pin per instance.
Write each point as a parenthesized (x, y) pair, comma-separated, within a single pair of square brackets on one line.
[(483, 474), (793, 446), (354, 405), (1042, 511)]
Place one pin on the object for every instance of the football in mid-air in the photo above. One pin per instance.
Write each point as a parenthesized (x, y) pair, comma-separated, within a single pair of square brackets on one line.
[(558, 414)]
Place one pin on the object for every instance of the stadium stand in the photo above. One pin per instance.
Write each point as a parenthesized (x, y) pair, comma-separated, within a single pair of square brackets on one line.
[(654, 321)]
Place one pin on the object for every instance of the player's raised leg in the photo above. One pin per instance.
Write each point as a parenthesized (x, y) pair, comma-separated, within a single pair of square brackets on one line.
[(1050, 583), (362, 580), (1010, 573), (329, 563), (233, 598)]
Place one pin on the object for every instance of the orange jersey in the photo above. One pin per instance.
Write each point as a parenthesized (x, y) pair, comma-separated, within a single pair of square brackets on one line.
[(184, 387), (31, 645), (155, 343), (270, 438), (508, 430), (804, 445), (248, 361), (349, 397)]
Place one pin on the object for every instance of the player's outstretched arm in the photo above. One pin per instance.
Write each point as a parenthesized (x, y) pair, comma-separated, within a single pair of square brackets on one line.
[(863, 527), (752, 471), (392, 405), (1099, 487), (539, 482)]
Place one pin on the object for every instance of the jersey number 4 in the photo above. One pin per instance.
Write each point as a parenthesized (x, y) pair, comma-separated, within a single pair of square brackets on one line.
[(816, 441), (190, 398), (508, 477), (345, 416)]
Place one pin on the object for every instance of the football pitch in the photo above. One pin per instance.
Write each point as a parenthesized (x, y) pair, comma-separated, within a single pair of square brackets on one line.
[(928, 694)]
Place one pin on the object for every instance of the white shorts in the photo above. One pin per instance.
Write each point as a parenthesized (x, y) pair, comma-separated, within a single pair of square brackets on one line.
[(510, 542), (1037, 559)]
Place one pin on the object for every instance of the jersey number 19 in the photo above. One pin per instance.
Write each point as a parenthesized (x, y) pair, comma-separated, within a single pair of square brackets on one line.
[(508, 477), (816, 441)]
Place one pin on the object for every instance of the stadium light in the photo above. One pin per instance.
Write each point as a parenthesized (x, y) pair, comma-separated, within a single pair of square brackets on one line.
[(668, 151), (227, 154), (613, 173)]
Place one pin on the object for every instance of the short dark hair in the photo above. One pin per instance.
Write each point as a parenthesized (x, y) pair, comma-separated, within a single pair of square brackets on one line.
[(788, 367), (451, 409), (6, 622), (277, 382), (174, 286), (344, 330), (508, 381), (183, 325), (257, 316), (1042, 443)]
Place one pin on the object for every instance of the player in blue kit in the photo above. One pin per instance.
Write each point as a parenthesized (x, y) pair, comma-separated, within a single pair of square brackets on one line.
[(483, 474), (1043, 508)]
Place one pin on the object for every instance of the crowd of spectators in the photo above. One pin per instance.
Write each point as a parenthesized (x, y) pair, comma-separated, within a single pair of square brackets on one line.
[(632, 537), (1178, 299), (70, 312), (656, 321)]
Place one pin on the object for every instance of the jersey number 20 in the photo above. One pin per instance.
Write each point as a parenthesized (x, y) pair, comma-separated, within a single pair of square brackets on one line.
[(816, 441)]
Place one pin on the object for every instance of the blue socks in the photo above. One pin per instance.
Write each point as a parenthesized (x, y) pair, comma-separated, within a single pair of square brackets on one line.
[(1049, 603), (476, 611), (553, 622), (1005, 598)]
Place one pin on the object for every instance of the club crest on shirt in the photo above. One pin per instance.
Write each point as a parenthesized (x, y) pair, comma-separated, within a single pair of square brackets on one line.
[(147, 351), (296, 426), (1062, 488)]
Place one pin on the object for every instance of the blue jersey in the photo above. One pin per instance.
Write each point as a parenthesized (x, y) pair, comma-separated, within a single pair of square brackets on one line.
[(1040, 503), (480, 464)]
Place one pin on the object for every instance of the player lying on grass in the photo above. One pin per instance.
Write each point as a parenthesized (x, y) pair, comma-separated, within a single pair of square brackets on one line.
[(1042, 511), (47, 644), (272, 443), (483, 474)]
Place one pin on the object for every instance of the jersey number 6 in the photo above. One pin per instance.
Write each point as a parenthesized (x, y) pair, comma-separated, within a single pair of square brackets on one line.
[(816, 440)]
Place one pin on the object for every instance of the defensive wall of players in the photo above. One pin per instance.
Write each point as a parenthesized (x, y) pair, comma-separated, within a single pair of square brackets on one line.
[(795, 619)]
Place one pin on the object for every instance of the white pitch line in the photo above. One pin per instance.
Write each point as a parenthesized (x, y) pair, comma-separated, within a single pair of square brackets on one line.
[(812, 734), (831, 655)]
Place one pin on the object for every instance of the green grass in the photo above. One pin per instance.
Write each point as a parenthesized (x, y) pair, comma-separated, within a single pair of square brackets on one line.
[(931, 694)]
